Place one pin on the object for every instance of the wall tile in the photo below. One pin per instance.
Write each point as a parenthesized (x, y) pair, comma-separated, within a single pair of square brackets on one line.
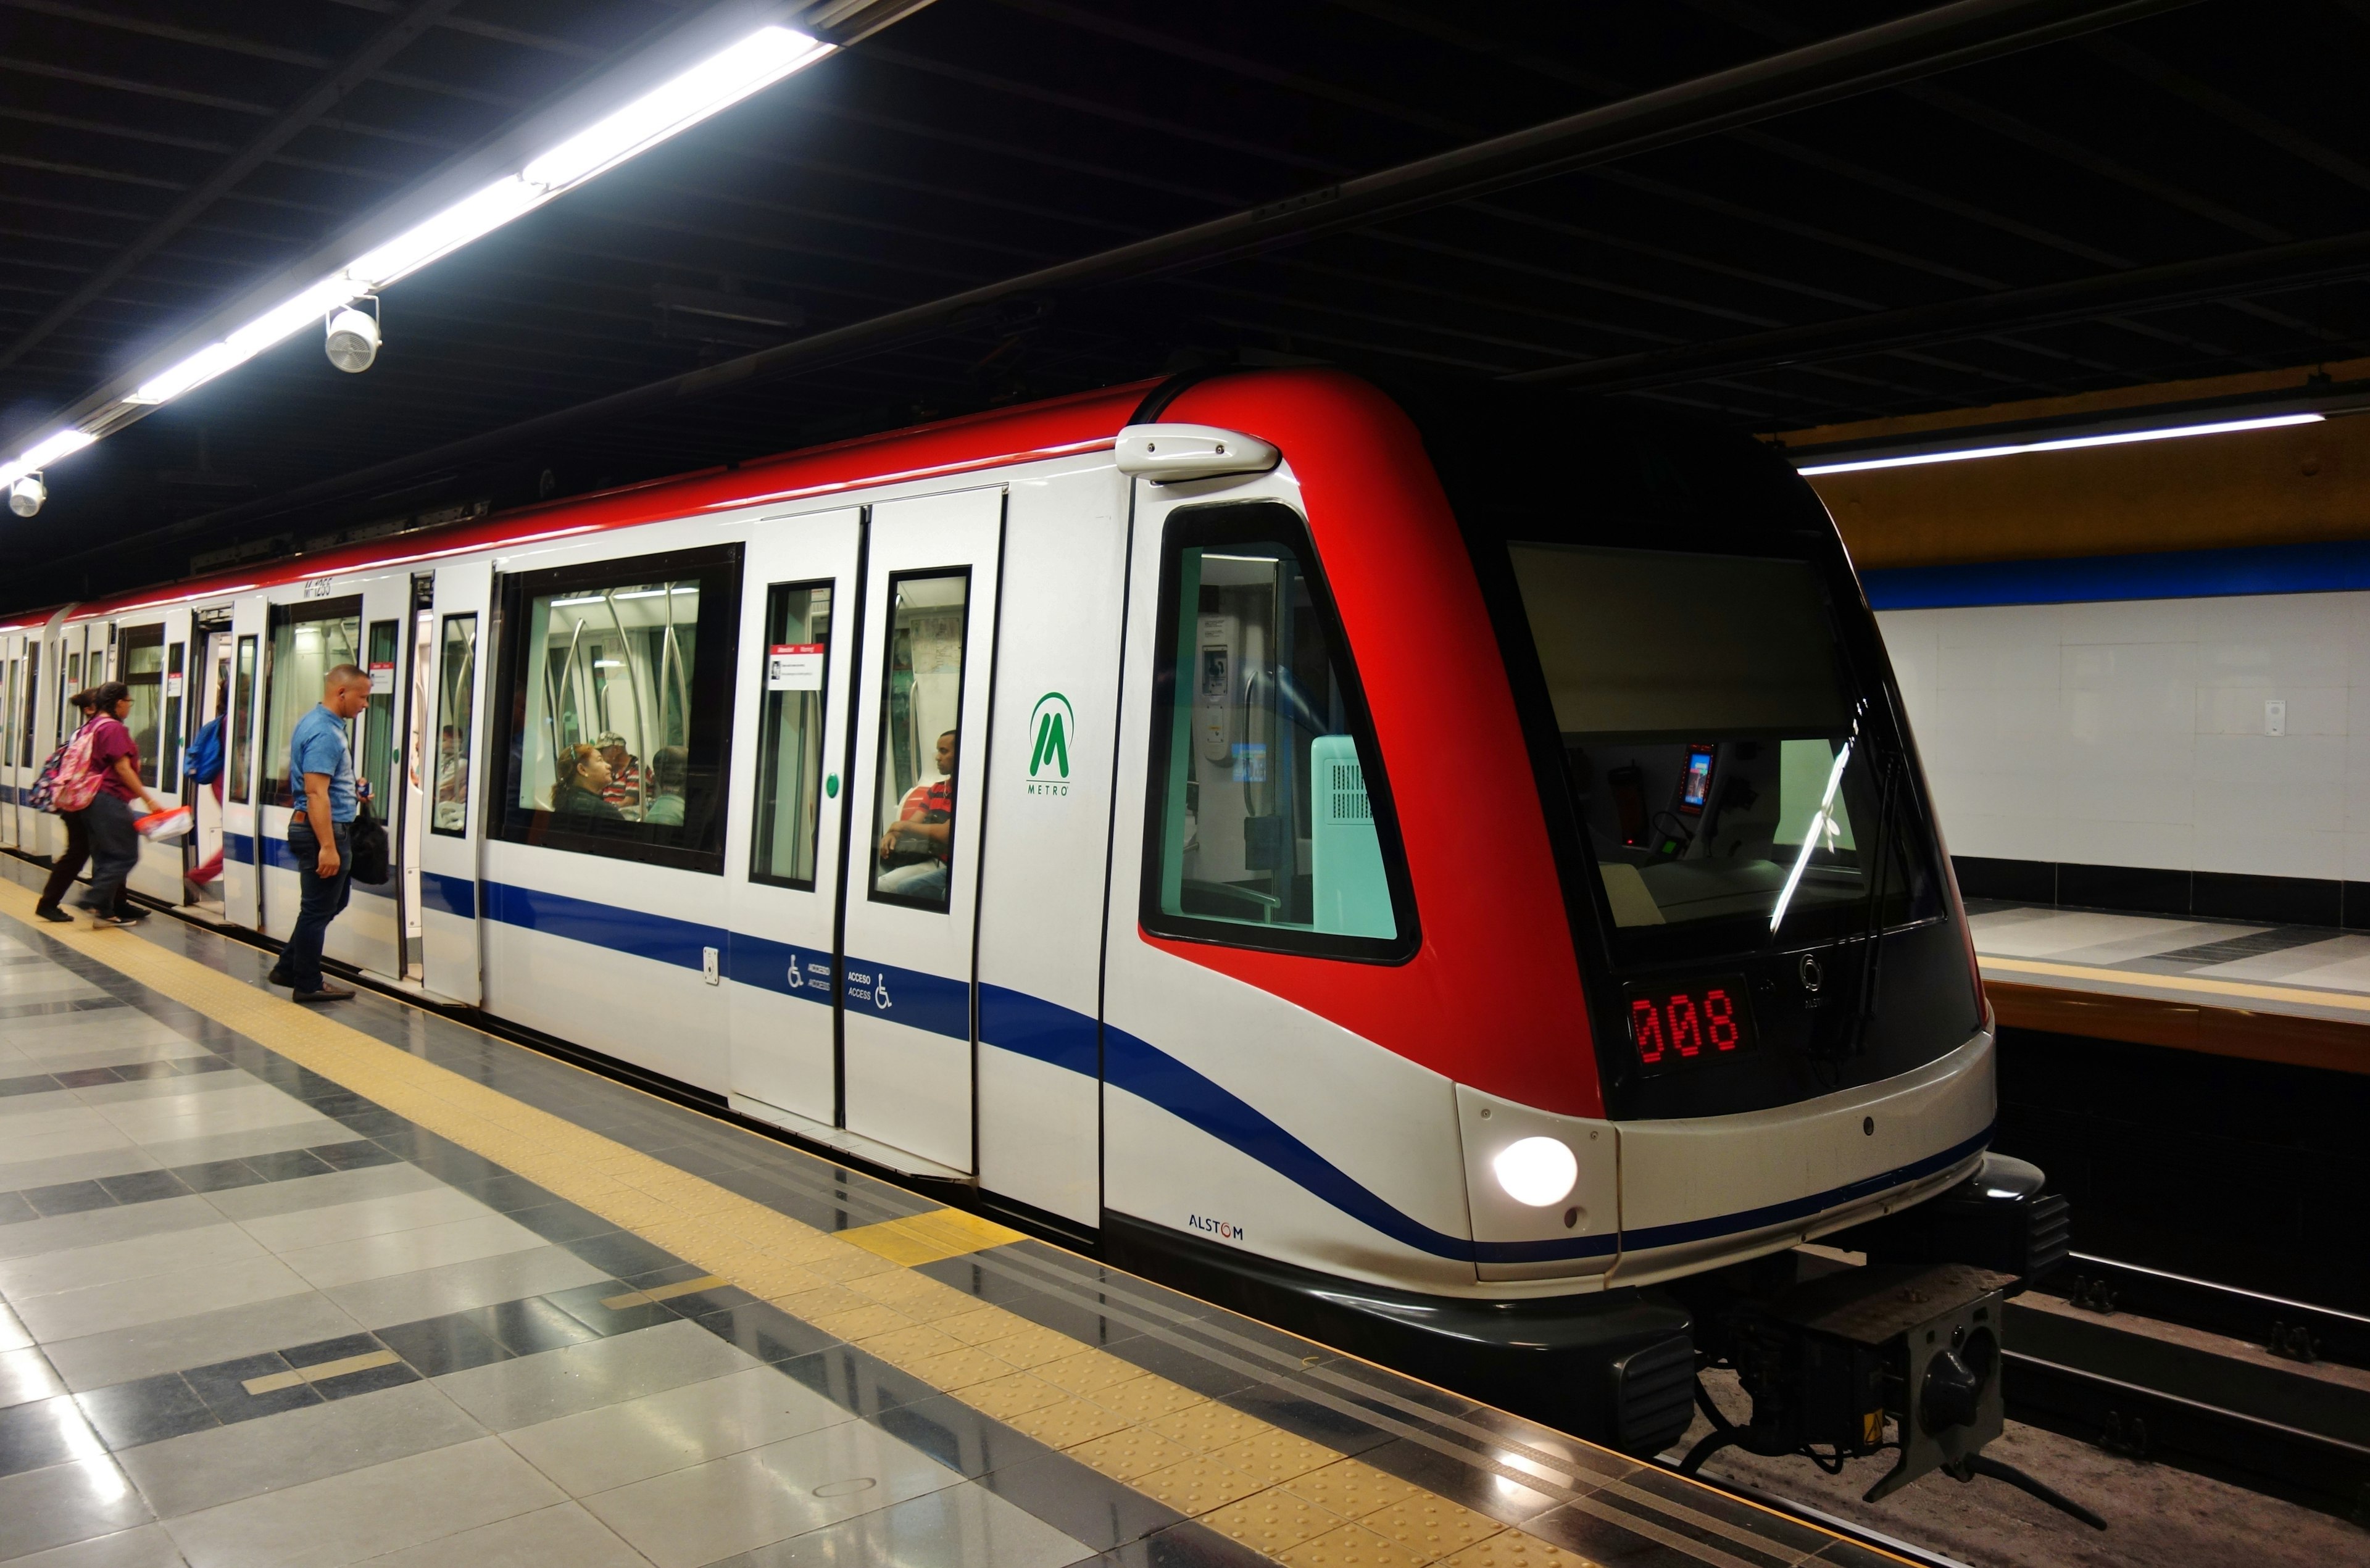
[(2132, 734)]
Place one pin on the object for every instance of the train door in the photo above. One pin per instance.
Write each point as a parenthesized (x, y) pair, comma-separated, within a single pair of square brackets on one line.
[(152, 661), (12, 682), (370, 935), (204, 849), (782, 854), (408, 808), (451, 956), (913, 875), (242, 878), (308, 637)]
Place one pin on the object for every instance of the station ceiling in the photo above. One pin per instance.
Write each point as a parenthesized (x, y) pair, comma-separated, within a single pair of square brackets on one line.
[(2185, 193)]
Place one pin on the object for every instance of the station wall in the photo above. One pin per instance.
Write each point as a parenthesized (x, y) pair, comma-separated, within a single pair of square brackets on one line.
[(2117, 754), (2088, 639)]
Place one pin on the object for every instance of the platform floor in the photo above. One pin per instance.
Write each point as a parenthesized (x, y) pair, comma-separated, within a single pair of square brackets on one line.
[(2298, 994), (291, 1285)]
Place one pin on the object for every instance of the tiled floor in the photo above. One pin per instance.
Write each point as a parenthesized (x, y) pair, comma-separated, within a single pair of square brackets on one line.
[(499, 1310), (2309, 972)]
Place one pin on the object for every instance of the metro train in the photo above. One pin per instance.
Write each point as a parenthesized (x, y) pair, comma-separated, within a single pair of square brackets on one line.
[(1449, 874)]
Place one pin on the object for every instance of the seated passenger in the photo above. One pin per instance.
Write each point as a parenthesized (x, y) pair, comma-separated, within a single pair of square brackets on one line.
[(625, 786), (915, 849), (584, 776), (668, 767)]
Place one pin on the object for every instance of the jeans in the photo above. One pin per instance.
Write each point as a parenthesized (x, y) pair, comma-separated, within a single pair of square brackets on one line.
[(324, 899), (114, 851), (69, 866), (922, 879)]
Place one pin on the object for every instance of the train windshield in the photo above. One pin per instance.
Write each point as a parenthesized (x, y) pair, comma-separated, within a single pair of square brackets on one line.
[(1715, 748)]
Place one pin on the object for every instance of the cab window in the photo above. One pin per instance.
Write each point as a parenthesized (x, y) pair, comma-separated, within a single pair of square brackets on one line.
[(1269, 825), (619, 675), (1715, 749)]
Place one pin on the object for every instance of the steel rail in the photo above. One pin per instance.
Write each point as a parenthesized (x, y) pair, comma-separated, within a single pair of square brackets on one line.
[(2273, 1321), (2304, 1467), (1927, 44)]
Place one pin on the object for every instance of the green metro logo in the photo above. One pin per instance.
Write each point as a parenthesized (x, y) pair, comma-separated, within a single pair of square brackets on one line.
[(1048, 756)]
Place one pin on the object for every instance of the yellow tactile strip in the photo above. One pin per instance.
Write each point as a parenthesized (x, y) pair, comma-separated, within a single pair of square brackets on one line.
[(1291, 1499)]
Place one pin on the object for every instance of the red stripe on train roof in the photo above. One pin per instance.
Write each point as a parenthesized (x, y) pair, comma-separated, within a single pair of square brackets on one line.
[(1085, 421)]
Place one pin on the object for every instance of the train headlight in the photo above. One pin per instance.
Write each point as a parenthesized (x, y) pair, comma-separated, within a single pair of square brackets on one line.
[(1539, 1171)]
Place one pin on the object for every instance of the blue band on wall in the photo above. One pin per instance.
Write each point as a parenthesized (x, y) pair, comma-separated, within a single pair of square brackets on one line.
[(2337, 567)]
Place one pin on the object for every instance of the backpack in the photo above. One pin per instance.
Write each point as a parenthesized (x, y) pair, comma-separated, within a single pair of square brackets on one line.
[(43, 794), (70, 779), (203, 761)]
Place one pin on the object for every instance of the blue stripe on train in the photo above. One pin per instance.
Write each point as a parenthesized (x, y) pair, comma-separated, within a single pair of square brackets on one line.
[(1063, 1037)]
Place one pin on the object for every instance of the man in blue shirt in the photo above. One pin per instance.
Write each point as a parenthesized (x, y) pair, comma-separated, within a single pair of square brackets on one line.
[(321, 835)]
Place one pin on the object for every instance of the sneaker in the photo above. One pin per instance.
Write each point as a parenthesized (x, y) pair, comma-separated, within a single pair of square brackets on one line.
[(54, 916), (129, 913), (327, 993), (104, 922)]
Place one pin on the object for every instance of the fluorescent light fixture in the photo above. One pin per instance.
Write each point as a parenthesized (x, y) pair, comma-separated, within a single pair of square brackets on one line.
[(41, 454), (2065, 443), (723, 79), (587, 598), (608, 664)]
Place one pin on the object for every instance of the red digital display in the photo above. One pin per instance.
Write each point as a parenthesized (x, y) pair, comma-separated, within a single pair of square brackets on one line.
[(1677, 1027)]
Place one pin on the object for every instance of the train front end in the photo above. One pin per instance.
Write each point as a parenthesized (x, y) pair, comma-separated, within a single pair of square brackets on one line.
[(1772, 1032)]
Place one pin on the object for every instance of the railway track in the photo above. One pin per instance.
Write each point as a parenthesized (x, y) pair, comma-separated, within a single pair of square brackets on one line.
[(2270, 1395)]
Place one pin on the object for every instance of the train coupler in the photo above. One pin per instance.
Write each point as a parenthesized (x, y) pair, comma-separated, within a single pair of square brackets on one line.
[(1858, 1361)]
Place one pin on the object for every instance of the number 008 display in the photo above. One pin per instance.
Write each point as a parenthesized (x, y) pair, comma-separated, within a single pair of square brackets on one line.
[(1680, 1026)]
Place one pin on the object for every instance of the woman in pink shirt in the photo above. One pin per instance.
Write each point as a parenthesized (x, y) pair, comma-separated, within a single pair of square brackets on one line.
[(107, 819)]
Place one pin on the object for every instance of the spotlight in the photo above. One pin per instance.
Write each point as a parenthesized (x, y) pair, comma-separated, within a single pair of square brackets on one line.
[(26, 495), (353, 340)]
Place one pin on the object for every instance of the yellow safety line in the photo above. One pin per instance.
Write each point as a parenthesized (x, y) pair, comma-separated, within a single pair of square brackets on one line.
[(2344, 1001), (663, 1292), (273, 1383), (1277, 1493)]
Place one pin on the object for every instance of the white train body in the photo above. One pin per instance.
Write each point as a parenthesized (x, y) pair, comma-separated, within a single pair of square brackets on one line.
[(1160, 989)]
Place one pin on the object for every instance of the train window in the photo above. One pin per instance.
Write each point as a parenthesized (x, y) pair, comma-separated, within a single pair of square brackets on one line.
[(308, 640), (456, 682), (169, 755), (143, 653), (620, 681), (1713, 746), (1270, 824), (378, 719), (242, 719), (789, 739), (921, 706)]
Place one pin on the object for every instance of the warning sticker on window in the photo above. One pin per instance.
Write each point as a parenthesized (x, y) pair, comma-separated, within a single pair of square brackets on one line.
[(794, 667), (382, 677)]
